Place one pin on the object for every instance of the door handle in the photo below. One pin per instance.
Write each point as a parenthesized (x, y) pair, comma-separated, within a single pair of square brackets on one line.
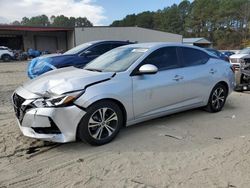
[(212, 71), (178, 78)]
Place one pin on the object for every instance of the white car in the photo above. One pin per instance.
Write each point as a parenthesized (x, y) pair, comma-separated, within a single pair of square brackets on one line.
[(239, 62), (6, 54)]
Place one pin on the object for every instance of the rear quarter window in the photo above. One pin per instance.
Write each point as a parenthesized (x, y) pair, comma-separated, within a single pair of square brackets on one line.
[(193, 57)]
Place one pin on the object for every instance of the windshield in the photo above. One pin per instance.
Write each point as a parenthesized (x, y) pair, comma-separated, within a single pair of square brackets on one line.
[(245, 51), (77, 49), (116, 60)]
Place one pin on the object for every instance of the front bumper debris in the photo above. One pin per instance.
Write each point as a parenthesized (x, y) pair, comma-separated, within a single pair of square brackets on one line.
[(56, 124)]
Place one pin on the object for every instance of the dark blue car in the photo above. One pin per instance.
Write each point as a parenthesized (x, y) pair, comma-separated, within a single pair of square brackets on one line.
[(228, 53), (77, 57), (218, 54)]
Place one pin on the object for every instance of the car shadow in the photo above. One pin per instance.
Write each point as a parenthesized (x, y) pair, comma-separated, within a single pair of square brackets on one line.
[(186, 130)]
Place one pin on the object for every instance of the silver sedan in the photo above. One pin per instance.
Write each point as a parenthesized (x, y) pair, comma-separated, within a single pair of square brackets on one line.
[(125, 86)]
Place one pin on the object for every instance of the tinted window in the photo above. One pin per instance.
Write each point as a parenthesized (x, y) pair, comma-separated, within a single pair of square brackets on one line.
[(163, 58), (115, 45), (78, 49), (99, 49), (193, 57)]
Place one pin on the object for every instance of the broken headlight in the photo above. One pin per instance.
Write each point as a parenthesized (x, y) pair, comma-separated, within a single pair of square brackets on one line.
[(58, 101)]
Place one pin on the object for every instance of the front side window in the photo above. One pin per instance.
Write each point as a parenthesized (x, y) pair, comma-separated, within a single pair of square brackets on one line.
[(163, 58), (192, 57)]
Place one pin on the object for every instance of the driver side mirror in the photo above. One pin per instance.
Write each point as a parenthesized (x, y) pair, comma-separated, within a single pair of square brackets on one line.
[(148, 69)]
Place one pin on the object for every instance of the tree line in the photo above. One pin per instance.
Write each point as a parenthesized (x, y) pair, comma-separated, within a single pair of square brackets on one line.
[(224, 22), (54, 21)]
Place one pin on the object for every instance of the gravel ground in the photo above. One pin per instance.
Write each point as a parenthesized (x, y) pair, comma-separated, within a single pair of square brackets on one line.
[(188, 149)]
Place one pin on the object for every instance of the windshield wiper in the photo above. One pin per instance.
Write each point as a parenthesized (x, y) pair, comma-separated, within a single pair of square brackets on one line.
[(96, 70)]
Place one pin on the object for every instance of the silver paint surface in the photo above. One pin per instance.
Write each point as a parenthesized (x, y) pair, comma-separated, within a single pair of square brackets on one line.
[(143, 96)]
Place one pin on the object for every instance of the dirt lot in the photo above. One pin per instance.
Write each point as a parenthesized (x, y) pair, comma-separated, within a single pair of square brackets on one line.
[(206, 150)]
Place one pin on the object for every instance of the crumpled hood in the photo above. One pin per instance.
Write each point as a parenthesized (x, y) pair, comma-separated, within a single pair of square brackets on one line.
[(65, 80), (239, 56)]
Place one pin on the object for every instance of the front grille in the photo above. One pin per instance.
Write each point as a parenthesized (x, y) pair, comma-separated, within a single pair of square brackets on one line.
[(236, 66), (18, 101)]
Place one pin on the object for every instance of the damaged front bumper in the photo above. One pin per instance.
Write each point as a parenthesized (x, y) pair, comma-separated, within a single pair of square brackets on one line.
[(56, 124)]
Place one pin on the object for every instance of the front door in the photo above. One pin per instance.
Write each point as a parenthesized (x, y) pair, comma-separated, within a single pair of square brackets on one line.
[(156, 93)]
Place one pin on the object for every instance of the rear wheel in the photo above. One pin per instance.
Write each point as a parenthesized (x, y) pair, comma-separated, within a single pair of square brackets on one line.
[(101, 123), (6, 58), (217, 98)]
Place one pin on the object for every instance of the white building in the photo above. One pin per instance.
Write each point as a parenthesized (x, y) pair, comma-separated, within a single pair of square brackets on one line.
[(86, 34)]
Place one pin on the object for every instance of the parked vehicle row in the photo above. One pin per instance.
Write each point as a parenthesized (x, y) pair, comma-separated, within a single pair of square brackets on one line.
[(77, 57), (218, 54), (241, 63), (228, 53), (6, 54), (125, 86)]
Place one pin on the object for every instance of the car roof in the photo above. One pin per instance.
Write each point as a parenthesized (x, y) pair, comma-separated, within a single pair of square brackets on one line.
[(212, 49), (155, 45), (104, 41)]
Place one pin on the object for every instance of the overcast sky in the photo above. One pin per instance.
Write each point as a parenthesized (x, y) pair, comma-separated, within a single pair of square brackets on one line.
[(99, 12)]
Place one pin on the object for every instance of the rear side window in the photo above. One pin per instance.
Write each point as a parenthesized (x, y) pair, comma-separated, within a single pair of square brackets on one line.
[(192, 57), (163, 58)]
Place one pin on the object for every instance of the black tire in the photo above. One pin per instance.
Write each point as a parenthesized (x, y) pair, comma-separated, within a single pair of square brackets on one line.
[(238, 89), (217, 98), (87, 133), (6, 58)]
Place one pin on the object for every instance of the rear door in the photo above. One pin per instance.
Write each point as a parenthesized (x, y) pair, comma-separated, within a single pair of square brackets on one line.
[(197, 75)]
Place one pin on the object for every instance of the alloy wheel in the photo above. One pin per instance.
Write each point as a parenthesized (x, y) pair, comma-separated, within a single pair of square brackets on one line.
[(102, 123), (218, 98)]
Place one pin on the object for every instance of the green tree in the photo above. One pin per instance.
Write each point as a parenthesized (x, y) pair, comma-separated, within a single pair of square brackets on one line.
[(25, 21), (41, 20), (82, 22), (16, 23), (61, 21)]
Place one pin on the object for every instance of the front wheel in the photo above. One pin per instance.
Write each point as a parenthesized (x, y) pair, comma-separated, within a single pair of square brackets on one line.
[(101, 123), (217, 98)]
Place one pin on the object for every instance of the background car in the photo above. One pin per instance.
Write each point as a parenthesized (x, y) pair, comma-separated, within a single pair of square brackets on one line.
[(228, 53), (77, 57), (241, 62), (124, 86), (218, 54), (6, 54)]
